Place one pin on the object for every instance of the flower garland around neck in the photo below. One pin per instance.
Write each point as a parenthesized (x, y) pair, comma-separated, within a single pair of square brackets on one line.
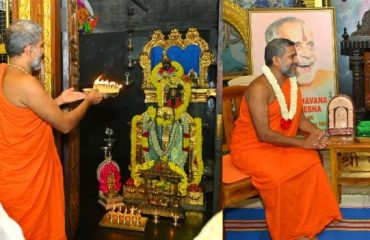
[(158, 80), (287, 116), (143, 140)]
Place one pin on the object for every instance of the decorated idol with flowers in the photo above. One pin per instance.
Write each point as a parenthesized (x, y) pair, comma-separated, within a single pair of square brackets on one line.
[(169, 139)]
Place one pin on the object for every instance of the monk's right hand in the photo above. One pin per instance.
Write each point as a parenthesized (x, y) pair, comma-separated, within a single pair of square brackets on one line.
[(94, 97)]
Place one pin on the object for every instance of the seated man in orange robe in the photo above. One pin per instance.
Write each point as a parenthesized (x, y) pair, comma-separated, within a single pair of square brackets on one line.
[(286, 170), (31, 178)]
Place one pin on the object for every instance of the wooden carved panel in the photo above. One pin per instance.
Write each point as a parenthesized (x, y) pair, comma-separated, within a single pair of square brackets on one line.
[(354, 161), (71, 148), (367, 79), (73, 44), (74, 201)]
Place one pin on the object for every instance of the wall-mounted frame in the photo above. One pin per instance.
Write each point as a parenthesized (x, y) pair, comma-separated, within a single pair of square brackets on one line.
[(234, 15), (313, 31), (314, 3), (235, 39)]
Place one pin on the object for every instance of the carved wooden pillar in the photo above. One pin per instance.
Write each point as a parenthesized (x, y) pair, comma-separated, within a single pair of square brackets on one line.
[(71, 142), (355, 46), (367, 79), (356, 65)]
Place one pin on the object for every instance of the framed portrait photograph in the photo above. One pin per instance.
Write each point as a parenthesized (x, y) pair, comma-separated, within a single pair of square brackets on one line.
[(313, 32)]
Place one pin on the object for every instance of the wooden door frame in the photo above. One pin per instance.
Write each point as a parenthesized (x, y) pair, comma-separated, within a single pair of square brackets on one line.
[(66, 144), (218, 139), (69, 53)]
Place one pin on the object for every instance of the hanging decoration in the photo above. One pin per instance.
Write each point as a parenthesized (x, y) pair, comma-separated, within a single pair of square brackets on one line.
[(86, 19)]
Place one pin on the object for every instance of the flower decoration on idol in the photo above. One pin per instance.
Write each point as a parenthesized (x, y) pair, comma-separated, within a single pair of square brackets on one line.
[(194, 188), (86, 19), (167, 69), (182, 186), (136, 169), (130, 182), (106, 170), (174, 96)]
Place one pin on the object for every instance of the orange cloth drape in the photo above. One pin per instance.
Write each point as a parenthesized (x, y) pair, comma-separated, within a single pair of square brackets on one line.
[(31, 178), (292, 183)]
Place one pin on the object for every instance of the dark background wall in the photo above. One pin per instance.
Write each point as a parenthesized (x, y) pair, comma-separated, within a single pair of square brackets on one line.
[(163, 14), (104, 52)]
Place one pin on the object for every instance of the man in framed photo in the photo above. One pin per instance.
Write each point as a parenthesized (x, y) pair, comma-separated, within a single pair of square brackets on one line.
[(317, 84), (296, 30)]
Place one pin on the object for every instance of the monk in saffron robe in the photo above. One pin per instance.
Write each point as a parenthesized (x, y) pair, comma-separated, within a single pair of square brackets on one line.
[(31, 178), (286, 170)]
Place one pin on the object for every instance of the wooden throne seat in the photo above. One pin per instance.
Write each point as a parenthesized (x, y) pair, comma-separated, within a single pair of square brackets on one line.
[(236, 185)]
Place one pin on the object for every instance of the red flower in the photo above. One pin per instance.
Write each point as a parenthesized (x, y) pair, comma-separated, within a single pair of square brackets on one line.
[(194, 188), (158, 167), (186, 135), (130, 182), (145, 134), (177, 103), (186, 149), (145, 149), (285, 124), (170, 70)]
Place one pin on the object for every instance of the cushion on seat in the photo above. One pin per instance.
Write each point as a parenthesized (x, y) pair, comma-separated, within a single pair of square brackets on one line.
[(230, 173)]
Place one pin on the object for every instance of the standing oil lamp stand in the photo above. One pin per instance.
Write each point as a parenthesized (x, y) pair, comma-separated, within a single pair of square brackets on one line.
[(109, 176)]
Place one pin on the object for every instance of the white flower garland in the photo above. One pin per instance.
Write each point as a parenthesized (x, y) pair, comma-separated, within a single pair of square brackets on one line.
[(280, 96), (154, 139)]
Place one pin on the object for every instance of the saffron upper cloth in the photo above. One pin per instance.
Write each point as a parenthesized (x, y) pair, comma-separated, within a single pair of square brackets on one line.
[(31, 178), (291, 181)]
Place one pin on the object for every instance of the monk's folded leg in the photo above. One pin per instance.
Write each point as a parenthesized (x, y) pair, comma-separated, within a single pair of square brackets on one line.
[(300, 206)]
